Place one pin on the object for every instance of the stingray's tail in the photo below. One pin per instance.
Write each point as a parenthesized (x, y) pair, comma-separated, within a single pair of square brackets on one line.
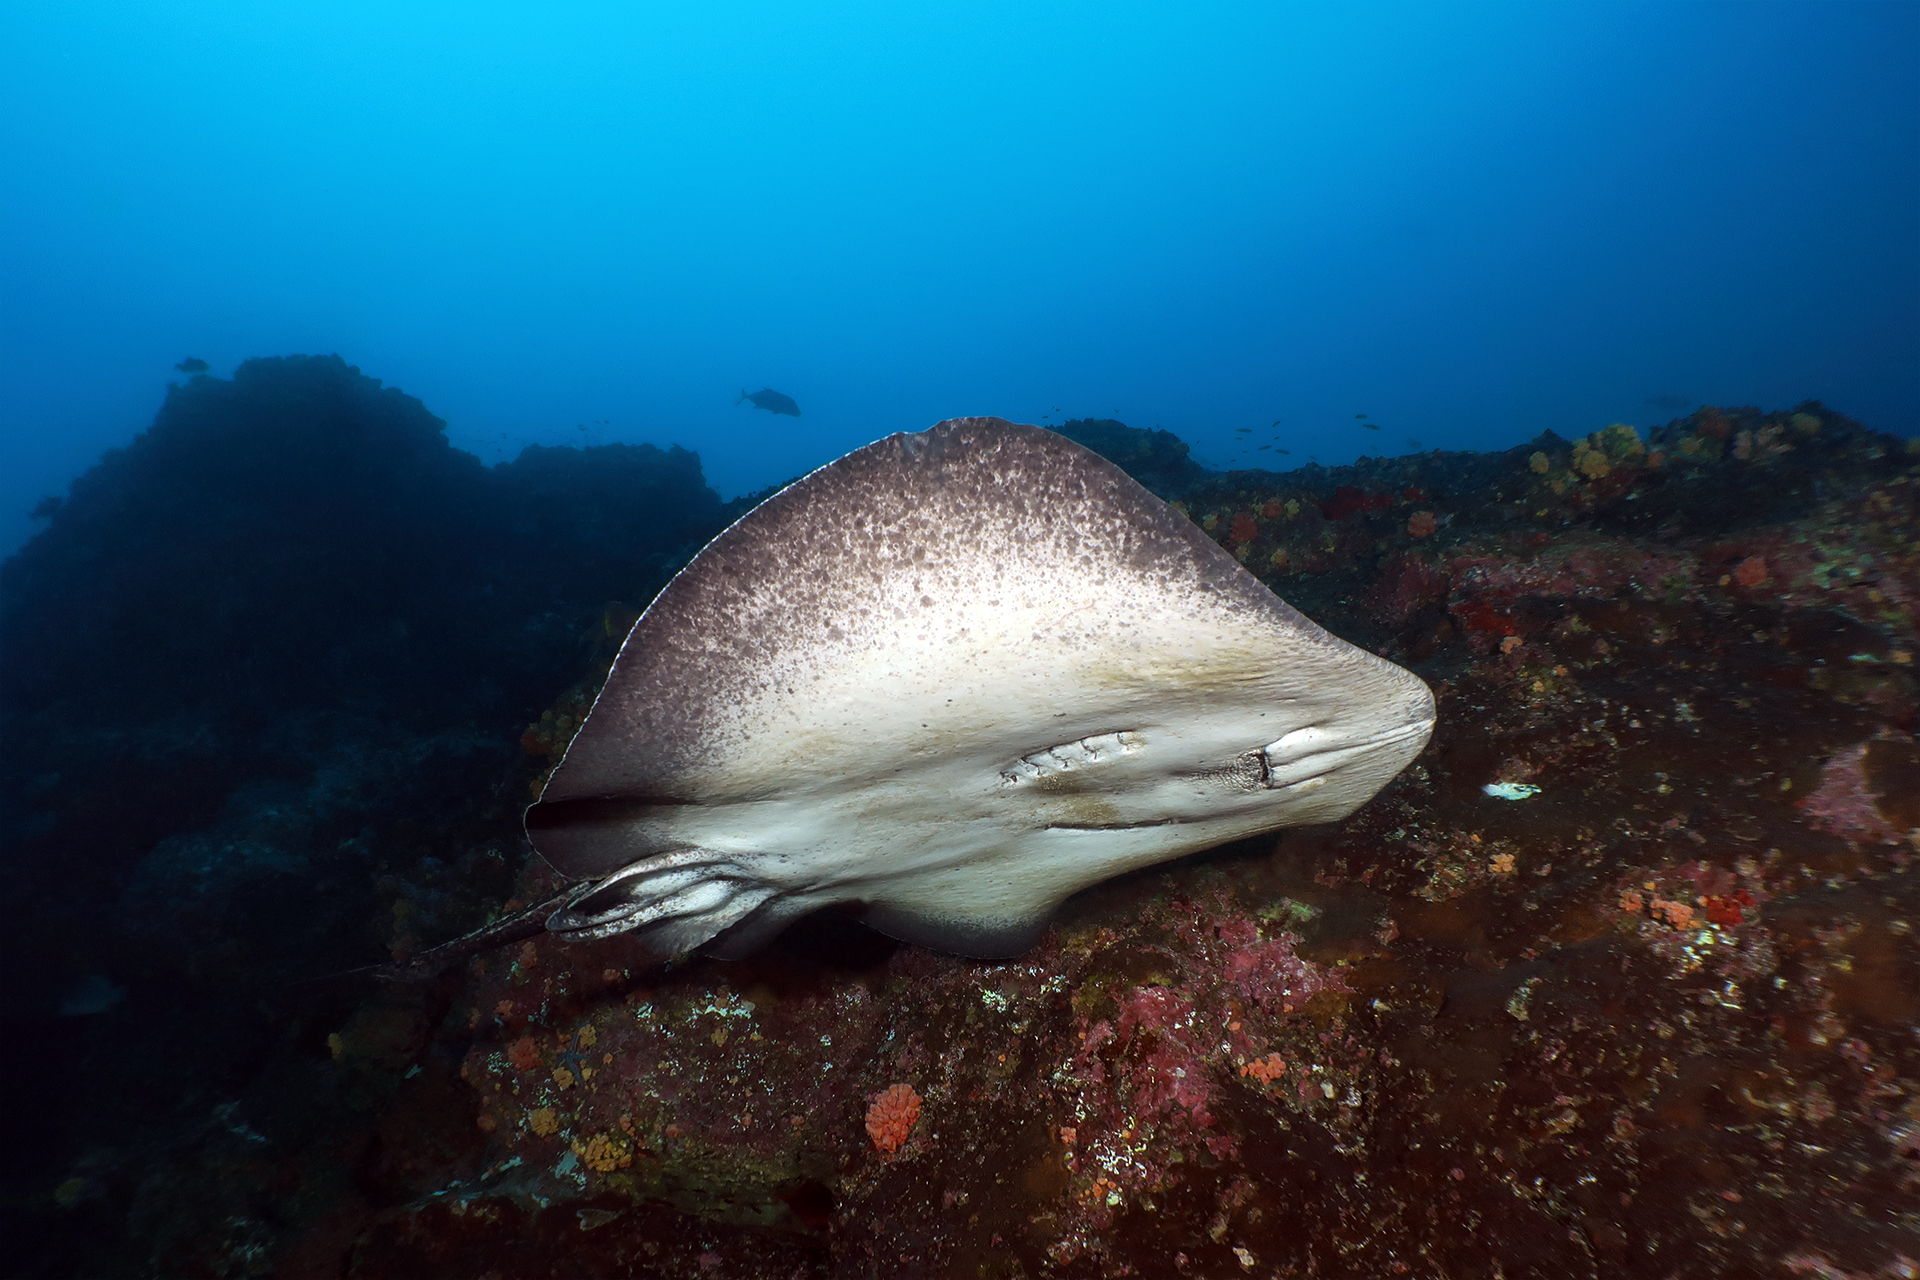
[(672, 902), (525, 923)]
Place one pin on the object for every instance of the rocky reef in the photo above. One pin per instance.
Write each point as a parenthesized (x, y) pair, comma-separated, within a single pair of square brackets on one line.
[(1619, 979), (265, 672)]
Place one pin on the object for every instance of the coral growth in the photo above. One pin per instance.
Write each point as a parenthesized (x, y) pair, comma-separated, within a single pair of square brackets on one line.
[(1265, 1070), (1844, 804), (523, 1054), (1751, 572), (605, 1152), (892, 1115)]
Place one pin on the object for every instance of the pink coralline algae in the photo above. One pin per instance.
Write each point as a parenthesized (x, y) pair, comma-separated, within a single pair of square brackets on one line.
[(1153, 1065), (1405, 586), (1174, 1085), (1843, 804), (1592, 567), (1729, 911)]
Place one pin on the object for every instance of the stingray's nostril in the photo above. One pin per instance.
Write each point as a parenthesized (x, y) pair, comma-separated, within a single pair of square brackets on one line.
[(1301, 742)]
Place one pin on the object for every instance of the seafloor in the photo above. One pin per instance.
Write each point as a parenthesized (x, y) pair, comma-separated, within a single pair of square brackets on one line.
[(1619, 979)]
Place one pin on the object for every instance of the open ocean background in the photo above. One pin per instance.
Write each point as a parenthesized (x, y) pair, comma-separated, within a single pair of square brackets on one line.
[(595, 224)]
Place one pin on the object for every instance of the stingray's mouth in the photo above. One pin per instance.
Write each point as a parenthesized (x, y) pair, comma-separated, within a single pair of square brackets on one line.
[(1121, 826)]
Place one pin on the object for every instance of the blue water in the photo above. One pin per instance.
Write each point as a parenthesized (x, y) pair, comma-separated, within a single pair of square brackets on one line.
[(601, 223)]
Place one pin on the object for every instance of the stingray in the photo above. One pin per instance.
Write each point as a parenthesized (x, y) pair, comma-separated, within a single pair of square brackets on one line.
[(951, 678)]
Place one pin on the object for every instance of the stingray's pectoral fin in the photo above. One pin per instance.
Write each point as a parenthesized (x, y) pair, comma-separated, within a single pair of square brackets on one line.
[(672, 903), (982, 937)]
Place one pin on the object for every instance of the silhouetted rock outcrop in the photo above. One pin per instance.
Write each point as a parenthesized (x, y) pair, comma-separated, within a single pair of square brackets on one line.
[(1158, 459), (248, 663)]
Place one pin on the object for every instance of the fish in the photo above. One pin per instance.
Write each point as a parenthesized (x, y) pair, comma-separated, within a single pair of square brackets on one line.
[(770, 400), (947, 681), (193, 364)]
